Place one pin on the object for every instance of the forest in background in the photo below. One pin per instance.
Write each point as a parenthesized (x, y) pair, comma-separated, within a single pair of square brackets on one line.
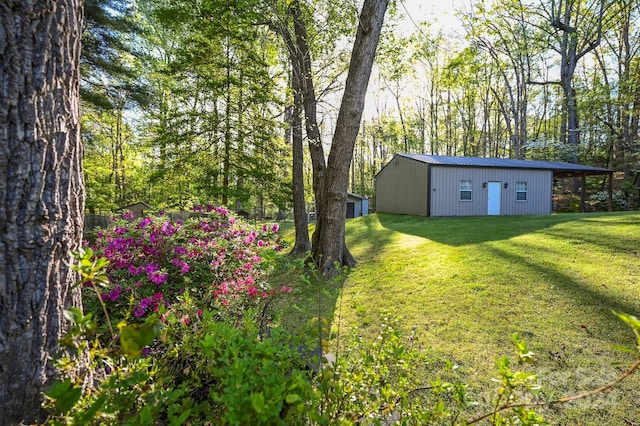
[(187, 102)]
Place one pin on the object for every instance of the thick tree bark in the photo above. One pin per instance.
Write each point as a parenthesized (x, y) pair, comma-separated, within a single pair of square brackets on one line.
[(328, 246), (41, 193)]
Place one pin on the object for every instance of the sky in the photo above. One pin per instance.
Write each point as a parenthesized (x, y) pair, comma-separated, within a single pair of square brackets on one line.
[(441, 13)]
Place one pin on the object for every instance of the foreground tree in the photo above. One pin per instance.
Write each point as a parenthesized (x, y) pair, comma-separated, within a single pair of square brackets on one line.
[(41, 193), (328, 243)]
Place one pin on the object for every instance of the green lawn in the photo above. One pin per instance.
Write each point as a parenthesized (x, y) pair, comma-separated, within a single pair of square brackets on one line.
[(467, 284)]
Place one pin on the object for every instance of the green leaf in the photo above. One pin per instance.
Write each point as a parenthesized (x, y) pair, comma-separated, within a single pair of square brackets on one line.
[(183, 417), (632, 322), (65, 395), (145, 415), (292, 398), (257, 401), (134, 337), (73, 315), (87, 416)]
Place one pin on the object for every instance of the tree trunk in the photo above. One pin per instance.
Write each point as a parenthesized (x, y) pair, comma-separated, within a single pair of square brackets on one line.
[(303, 97), (302, 244), (41, 193), (328, 247), (310, 103), (573, 46)]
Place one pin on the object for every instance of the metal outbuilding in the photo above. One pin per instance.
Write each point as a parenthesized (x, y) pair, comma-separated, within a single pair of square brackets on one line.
[(433, 185), (357, 206)]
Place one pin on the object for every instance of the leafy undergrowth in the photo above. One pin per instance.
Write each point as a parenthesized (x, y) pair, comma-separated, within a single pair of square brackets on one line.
[(465, 285), (178, 326)]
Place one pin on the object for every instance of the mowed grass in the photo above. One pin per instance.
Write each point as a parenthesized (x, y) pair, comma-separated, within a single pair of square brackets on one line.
[(467, 284)]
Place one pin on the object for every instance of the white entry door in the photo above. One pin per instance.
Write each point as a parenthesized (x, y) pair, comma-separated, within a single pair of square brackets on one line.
[(493, 200)]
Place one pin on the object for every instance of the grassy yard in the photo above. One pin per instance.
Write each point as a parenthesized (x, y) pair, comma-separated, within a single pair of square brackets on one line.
[(466, 284)]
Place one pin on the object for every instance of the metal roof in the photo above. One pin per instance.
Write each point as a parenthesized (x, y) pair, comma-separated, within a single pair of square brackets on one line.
[(351, 194), (559, 169)]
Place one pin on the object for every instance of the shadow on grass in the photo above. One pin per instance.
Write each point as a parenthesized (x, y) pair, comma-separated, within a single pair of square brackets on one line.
[(367, 235), (316, 298), (460, 231), (585, 298), (600, 233), (308, 311)]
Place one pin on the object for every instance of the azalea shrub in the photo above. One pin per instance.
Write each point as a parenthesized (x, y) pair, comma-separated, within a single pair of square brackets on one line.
[(223, 263)]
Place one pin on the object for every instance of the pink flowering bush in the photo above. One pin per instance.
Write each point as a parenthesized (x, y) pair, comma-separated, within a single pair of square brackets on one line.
[(219, 260)]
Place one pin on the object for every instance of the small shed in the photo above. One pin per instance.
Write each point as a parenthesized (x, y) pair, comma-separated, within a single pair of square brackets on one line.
[(357, 206), (432, 185), (139, 210), (243, 213)]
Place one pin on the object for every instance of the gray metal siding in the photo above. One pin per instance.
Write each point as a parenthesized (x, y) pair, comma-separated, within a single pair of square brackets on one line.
[(445, 191), (401, 187), (361, 205)]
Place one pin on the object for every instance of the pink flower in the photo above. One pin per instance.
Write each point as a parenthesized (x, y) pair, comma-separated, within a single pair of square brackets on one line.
[(127, 215), (158, 277), (186, 320), (275, 227), (252, 291), (285, 289), (115, 293), (168, 229), (151, 268), (134, 271)]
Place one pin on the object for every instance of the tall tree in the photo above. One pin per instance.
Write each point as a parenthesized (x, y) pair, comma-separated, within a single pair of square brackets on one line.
[(578, 26), (41, 193), (328, 243), (301, 220), (290, 22), (504, 34)]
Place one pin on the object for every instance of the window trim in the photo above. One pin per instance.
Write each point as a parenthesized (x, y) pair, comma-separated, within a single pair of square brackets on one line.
[(519, 191), (467, 189)]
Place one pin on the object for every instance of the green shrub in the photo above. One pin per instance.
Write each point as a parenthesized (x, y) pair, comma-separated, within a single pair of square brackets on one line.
[(231, 374), (600, 201)]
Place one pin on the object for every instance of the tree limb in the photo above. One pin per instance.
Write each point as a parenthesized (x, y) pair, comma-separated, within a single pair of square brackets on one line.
[(564, 400)]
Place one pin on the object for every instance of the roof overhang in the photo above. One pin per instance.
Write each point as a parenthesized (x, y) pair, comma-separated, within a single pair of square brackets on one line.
[(559, 169)]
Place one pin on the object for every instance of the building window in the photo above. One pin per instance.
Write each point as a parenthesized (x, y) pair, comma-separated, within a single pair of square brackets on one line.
[(465, 190), (521, 191)]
